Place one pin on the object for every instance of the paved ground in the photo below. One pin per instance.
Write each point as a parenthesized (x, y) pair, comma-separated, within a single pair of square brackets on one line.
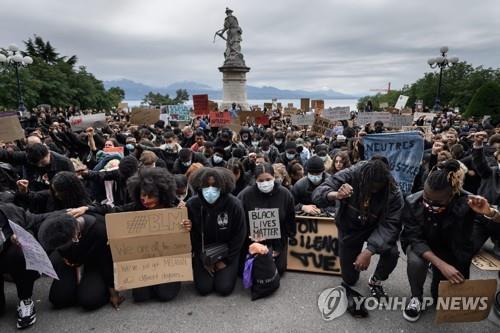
[(292, 309)]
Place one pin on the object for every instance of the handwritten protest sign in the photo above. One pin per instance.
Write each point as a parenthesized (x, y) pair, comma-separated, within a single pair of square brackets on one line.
[(371, 117), (34, 255), (264, 223), (426, 115), (200, 104), (404, 150), (314, 248), (304, 104), (249, 115), (401, 102), (179, 112), (82, 122), (321, 125), (219, 119), (465, 302), (399, 120), (144, 116), (302, 119), (426, 129), (486, 262), (149, 247), (338, 113), (10, 127)]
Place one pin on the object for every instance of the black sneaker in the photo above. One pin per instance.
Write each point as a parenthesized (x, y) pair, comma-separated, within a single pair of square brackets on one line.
[(376, 288), (413, 310), (2, 297), (26, 313), (357, 310), (496, 306)]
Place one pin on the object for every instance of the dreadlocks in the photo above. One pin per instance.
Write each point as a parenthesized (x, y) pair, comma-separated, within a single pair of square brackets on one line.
[(375, 177), (446, 175)]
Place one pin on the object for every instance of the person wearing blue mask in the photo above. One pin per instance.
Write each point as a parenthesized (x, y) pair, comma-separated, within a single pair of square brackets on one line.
[(218, 221), (289, 154), (268, 194), (303, 189)]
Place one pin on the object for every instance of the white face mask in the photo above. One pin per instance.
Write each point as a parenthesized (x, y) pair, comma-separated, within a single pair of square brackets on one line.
[(217, 159), (278, 141), (266, 187)]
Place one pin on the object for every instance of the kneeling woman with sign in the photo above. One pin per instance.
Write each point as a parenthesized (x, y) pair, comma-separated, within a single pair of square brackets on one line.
[(218, 230), (270, 213), (150, 188)]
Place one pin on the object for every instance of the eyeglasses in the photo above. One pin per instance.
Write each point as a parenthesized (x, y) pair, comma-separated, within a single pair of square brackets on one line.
[(434, 206)]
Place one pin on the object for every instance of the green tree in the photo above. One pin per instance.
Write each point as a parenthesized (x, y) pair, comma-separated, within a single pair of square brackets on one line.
[(182, 95), (116, 95), (486, 101)]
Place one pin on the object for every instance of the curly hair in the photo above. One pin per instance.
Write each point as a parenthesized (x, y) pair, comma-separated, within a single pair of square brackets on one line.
[(56, 231), (156, 182), (224, 179), (68, 190)]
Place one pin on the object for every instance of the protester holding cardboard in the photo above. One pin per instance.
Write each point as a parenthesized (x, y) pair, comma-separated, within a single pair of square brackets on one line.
[(218, 233)]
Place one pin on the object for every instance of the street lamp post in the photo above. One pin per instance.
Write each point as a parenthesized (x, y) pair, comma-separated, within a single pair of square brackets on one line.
[(15, 59), (442, 62)]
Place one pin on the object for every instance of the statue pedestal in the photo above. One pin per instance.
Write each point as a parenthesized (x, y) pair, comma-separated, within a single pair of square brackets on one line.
[(234, 87)]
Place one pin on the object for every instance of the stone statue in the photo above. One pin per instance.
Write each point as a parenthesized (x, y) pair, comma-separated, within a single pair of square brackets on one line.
[(232, 55)]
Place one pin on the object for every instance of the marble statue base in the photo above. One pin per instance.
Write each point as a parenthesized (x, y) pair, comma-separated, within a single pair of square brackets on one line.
[(234, 87)]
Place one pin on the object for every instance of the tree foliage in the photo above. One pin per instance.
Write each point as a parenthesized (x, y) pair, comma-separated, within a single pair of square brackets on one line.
[(55, 80), (155, 99), (485, 102)]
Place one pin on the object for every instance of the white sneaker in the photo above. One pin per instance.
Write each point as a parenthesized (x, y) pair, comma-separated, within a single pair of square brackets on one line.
[(26, 313)]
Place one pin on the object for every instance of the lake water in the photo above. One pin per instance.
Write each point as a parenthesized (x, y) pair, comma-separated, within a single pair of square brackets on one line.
[(284, 102)]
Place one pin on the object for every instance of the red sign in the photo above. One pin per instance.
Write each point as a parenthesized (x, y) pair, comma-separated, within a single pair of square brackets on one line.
[(200, 103), (263, 120), (219, 119)]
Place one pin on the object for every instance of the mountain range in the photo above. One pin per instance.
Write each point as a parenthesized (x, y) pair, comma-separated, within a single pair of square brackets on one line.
[(137, 91)]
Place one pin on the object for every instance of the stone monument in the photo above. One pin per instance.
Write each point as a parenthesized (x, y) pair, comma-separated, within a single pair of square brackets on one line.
[(234, 69)]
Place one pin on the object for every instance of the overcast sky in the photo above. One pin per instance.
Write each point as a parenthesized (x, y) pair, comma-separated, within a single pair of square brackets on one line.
[(348, 46)]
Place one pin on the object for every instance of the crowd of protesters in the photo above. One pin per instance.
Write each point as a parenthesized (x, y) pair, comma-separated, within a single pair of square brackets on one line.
[(59, 184)]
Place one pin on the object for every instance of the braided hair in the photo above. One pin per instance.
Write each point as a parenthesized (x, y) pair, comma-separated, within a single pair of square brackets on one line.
[(446, 175), (374, 171)]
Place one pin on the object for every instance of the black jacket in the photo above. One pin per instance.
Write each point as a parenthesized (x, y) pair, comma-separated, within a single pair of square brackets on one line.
[(490, 177), (302, 192), (222, 222), (447, 235), (180, 168), (384, 216), (30, 222), (252, 198)]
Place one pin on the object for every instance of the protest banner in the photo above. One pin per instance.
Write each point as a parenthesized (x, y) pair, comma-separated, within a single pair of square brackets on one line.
[(404, 150), (10, 127), (82, 122), (371, 117), (149, 247), (314, 248), (264, 224), (428, 117), (179, 112), (201, 104), (219, 119), (302, 119), (118, 150), (144, 116), (212, 106), (262, 120), (401, 102), (321, 125), (469, 301), (338, 113), (34, 255), (399, 120), (249, 116), (318, 105), (486, 262), (304, 104)]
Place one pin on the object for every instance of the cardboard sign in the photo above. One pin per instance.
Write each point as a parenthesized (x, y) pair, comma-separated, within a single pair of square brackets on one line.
[(212, 106), (200, 104), (144, 116), (249, 116), (149, 247), (371, 117), (82, 122), (486, 262), (302, 119), (314, 248), (219, 119), (304, 104), (401, 102), (338, 113), (426, 129), (123, 106), (35, 257), (427, 116), (264, 224), (383, 105), (10, 128), (179, 112), (318, 105), (321, 125), (268, 106), (465, 302), (399, 120)]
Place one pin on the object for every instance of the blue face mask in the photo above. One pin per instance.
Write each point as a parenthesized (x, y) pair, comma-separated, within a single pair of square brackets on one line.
[(315, 179), (130, 147), (290, 156), (211, 194)]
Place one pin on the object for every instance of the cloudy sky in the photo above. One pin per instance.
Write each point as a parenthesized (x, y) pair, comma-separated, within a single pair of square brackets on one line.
[(348, 46)]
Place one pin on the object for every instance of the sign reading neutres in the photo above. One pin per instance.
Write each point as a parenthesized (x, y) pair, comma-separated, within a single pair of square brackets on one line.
[(149, 247), (264, 224), (314, 248)]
